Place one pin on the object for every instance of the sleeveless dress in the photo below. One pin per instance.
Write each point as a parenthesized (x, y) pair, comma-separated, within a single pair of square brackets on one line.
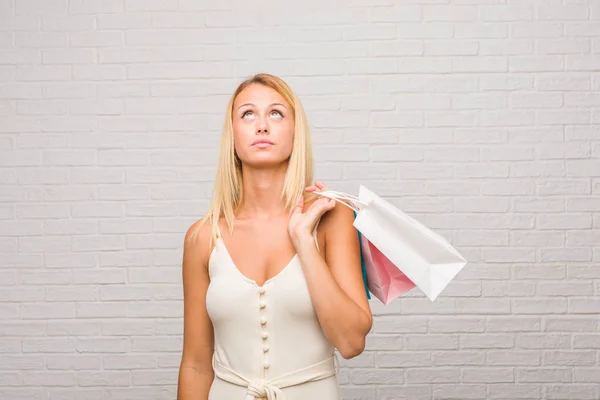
[(268, 340)]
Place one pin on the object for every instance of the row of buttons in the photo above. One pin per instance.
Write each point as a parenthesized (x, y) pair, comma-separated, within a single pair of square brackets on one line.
[(263, 322)]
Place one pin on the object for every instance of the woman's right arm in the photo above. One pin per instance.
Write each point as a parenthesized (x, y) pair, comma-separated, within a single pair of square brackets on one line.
[(196, 372)]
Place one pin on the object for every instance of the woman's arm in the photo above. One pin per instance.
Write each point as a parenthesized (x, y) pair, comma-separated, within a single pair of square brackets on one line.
[(335, 281), (195, 372)]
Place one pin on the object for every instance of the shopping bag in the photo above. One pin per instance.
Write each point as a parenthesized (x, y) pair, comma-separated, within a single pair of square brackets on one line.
[(423, 256), (381, 277), (363, 265)]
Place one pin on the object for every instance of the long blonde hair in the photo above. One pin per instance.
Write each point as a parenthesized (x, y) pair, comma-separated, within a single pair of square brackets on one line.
[(227, 191)]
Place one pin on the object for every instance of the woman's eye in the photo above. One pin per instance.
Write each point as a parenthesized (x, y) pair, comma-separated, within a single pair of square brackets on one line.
[(250, 112)]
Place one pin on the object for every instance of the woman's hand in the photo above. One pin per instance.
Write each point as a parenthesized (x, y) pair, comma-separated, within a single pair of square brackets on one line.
[(302, 223)]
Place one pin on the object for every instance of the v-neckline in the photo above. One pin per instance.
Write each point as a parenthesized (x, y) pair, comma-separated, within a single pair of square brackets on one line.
[(252, 281)]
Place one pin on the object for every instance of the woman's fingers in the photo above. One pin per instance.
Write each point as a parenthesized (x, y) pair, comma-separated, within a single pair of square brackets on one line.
[(321, 185), (318, 185)]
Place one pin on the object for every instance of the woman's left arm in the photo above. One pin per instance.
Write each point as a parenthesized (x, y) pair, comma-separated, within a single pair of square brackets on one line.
[(335, 281)]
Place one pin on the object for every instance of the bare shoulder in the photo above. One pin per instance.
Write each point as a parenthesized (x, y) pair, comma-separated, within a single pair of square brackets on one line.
[(339, 217), (198, 231), (197, 243)]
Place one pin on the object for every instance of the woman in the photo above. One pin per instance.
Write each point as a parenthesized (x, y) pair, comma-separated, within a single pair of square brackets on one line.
[(267, 295)]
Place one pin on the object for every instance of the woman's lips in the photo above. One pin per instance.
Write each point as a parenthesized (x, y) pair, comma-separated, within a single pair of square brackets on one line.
[(262, 144)]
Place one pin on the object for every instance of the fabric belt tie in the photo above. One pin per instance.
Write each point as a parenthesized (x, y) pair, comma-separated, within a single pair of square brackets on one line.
[(271, 389)]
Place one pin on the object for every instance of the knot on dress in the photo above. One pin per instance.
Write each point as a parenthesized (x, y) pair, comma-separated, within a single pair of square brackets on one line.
[(259, 388)]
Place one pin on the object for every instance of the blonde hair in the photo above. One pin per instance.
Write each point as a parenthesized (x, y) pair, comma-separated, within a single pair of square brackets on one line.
[(227, 191)]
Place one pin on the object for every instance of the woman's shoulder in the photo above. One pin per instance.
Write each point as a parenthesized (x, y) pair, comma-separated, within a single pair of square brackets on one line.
[(339, 217), (198, 238), (198, 230)]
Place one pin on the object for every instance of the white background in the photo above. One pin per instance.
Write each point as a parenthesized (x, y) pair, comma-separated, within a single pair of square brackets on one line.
[(480, 118)]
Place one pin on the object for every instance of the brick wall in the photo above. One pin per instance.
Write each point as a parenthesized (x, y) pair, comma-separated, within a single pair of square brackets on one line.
[(481, 118)]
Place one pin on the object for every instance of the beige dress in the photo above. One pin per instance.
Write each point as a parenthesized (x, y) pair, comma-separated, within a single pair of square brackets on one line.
[(268, 341)]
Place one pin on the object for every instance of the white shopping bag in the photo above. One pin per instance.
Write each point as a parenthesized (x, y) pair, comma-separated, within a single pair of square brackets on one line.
[(424, 256)]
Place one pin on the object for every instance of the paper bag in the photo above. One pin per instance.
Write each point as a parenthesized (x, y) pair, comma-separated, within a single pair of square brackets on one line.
[(381, 277), (427, 259)]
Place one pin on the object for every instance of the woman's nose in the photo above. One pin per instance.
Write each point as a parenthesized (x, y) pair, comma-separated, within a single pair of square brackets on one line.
[(262, 126)]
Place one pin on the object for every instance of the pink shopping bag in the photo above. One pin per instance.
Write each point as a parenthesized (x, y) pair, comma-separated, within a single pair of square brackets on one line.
[(384, 280)]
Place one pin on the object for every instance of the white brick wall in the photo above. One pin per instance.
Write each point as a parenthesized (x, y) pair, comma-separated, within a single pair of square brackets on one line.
[(479, 117)]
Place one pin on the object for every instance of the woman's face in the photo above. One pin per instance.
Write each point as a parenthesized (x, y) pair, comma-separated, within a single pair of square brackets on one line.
[(263, 126)]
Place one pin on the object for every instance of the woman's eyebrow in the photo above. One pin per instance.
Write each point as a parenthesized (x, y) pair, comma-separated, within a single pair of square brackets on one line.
[(273, 104)]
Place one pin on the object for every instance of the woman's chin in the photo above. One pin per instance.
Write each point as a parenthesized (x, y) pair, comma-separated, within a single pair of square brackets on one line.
[(267, 162)]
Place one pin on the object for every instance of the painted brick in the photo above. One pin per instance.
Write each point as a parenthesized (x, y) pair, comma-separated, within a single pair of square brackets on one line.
[(478, 118)]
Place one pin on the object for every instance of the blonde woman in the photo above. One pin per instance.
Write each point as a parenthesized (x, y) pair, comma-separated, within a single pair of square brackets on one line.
[(271, 274)]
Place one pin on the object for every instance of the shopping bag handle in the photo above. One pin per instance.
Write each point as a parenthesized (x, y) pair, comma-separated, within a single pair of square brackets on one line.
[(355, 203)]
